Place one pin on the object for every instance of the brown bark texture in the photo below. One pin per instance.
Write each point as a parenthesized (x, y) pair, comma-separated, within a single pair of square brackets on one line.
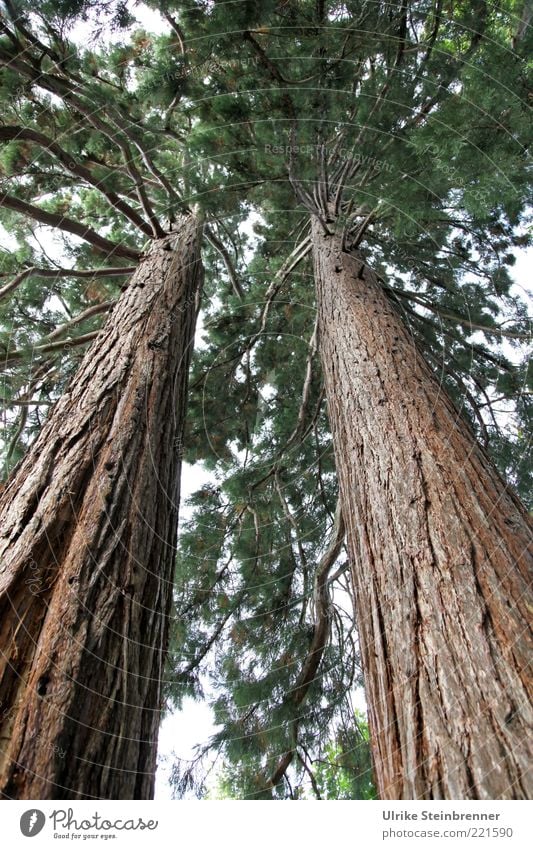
[(441, 556), (87, 538)]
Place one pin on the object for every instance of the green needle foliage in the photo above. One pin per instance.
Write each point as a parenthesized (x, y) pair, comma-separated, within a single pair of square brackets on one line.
[(405, 127)]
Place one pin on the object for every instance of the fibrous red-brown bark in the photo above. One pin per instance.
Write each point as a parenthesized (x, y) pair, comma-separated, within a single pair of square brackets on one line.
[(87, 536), (440, 552)]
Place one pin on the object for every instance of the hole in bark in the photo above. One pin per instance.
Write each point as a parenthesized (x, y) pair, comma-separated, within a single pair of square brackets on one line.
[(42, 685), (510, 716), (109, 465), (338, 269)]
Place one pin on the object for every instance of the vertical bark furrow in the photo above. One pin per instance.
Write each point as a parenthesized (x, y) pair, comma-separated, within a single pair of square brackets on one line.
[(441, 552)]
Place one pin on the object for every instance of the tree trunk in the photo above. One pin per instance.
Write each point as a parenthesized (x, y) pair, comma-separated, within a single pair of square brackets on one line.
[(88, 526), (440, 551)]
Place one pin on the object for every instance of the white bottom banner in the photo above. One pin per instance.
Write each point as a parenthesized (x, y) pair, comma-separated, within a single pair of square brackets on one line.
[(236, 825)]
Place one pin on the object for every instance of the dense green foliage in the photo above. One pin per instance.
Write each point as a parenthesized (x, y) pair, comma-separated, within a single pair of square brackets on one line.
[(403, 125)]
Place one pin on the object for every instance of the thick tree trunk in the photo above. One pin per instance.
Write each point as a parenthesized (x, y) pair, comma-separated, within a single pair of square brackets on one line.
[(440, 553), (88, 526)]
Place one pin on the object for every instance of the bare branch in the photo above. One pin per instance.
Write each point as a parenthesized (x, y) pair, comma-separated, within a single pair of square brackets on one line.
[(24, 402), (96, 309), (177, 30), (359, 235), (213, 240), (306, 392), (311, 775), (14, 356), (34, 271)]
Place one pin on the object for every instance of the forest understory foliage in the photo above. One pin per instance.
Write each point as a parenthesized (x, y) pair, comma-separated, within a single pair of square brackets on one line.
[(357, 178)]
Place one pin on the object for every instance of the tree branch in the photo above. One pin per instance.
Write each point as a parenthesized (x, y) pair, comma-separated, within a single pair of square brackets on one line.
[(311, 775), (14, 356), (34, 271), (177, 30), (52, 219), (213, 240), (306, 391), (448, 316), (78, 170), (24, 402), (121, 123), (96, 309), (66, 90), (320, 636)]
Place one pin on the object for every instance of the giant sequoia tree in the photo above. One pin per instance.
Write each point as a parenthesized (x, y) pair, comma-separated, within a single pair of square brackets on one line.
[(382, 150), (89, 517), (439, 552)]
